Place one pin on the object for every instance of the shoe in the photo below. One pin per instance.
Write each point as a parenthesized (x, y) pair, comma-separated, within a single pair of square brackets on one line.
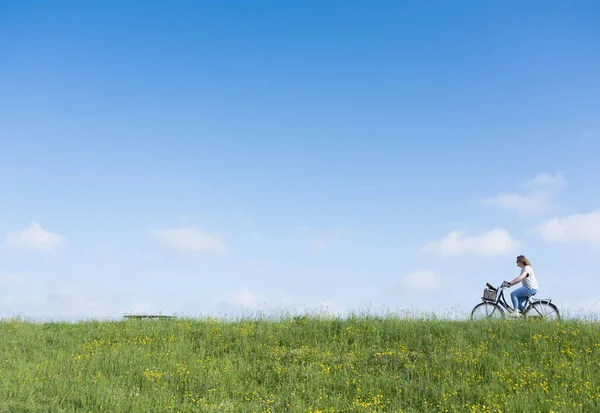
[(515, 313)]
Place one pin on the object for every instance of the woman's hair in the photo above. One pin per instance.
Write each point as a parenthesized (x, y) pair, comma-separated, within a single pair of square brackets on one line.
[(523, 259)]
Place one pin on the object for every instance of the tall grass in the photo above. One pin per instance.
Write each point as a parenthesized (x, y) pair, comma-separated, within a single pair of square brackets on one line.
[(300, 364)]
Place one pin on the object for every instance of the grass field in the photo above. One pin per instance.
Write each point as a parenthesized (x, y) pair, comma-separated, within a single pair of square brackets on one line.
[(300, 364)]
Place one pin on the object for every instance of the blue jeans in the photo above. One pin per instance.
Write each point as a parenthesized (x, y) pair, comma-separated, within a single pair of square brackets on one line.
[(519, 296)]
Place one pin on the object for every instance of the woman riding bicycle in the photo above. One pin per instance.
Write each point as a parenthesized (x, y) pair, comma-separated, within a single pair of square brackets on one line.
[(530, 284)]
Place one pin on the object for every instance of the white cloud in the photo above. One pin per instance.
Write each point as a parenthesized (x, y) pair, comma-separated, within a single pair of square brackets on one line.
[(586, 309), (422, 279), (327, 307), (548, 182), (576, 228), (495, 242), (143, 309), (524, 205), (11, 280), (64, 300), (257, 264), (246, 300), (67, 301), (35, 237), (323, 239), (189, 239), (544, 188), (243, 298)]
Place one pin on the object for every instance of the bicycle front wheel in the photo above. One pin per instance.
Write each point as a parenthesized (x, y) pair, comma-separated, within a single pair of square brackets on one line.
[(543, 309), (487, 310)]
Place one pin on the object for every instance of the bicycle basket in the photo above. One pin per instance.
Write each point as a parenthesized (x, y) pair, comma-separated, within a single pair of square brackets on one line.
[(489, 294)]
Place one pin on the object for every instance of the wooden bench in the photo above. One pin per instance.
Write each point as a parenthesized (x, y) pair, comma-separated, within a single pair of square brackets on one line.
[(148, 316)]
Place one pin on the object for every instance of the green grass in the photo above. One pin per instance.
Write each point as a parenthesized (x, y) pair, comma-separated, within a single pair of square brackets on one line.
[(301, 364)]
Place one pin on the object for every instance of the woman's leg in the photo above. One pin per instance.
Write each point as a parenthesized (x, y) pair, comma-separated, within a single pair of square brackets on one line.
[(519, 296), (514, 296)]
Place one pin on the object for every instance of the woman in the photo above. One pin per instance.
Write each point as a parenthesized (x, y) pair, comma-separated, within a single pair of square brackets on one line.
[(530, 284)]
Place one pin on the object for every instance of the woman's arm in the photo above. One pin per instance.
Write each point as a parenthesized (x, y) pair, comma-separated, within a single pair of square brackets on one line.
[(519, 278)]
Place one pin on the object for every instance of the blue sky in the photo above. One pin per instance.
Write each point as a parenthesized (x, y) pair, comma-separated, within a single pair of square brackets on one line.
[(197, 158)]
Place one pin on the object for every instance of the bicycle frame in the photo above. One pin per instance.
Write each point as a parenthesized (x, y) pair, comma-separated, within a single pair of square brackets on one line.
[(529, 304), (500, 300)]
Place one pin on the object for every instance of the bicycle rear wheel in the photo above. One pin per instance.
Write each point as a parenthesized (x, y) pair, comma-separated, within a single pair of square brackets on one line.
[(543, 309), (487, 310)]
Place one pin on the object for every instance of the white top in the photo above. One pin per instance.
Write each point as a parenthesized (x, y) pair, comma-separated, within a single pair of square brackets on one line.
[(529, 281)]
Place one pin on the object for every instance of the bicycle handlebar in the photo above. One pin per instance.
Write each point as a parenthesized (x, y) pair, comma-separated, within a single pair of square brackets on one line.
[(490, 286)]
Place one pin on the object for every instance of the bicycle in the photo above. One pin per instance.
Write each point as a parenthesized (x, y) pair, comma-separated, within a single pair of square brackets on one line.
[(493, 301)]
